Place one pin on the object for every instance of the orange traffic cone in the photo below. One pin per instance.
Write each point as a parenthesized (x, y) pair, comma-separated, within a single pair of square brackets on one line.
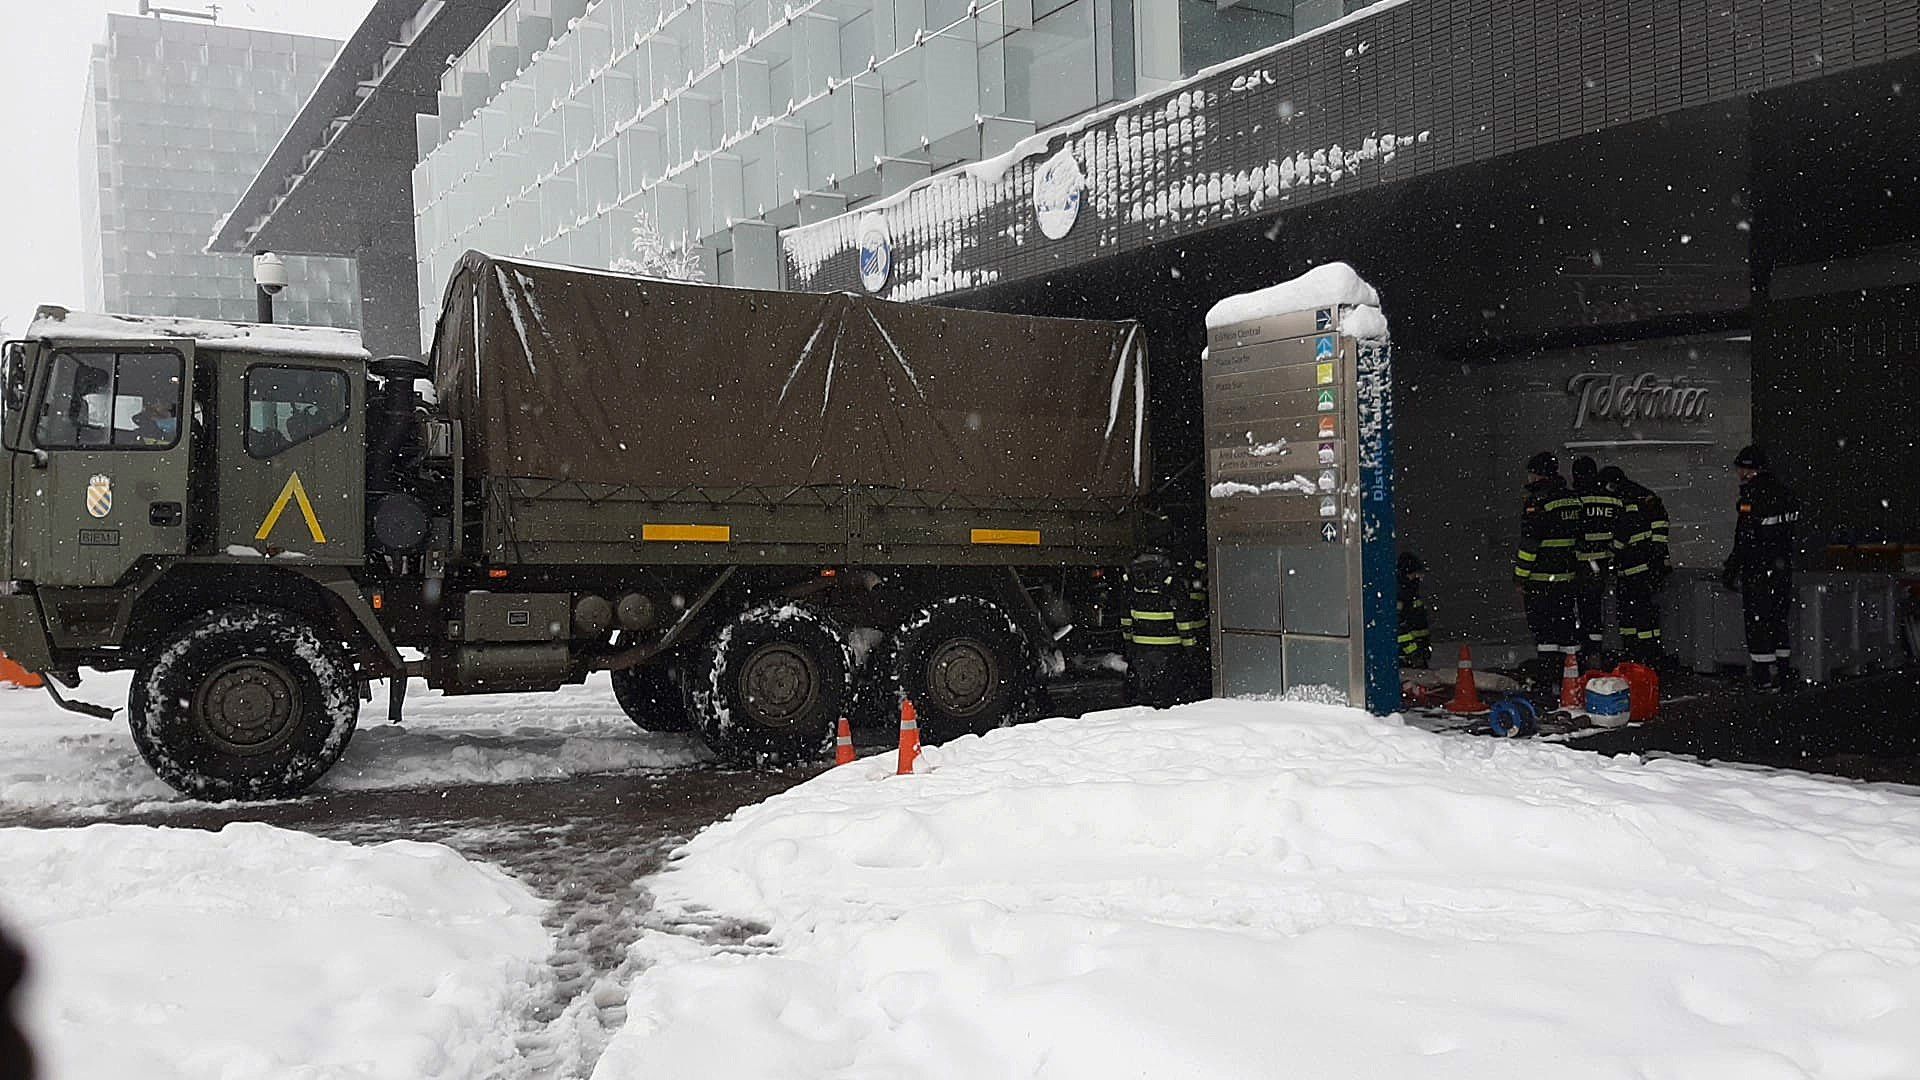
[(843, 744), (909, 738), (1466, 696), (12, 674), (1570, 685)]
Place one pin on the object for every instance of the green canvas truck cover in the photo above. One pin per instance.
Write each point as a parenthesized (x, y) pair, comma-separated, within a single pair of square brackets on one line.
[(603, 378)]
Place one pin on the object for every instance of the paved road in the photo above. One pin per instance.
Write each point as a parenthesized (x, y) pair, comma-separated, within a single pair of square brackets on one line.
[(583, 844), (1863, 729)]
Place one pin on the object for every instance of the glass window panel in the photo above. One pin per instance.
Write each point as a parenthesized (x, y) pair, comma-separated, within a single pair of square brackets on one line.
[(287, 406), (1050, 67), (126, 400)]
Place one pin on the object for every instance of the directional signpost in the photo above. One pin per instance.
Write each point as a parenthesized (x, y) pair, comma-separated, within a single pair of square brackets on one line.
[(1300, 507)]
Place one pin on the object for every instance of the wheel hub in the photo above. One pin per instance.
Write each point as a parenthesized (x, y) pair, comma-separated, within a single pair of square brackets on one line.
[(248, 706), (962, 675), (780, 685)]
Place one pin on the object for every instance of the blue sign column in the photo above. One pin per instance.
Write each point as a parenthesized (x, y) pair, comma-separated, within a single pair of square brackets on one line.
[(1299, 428), (1379, 556)]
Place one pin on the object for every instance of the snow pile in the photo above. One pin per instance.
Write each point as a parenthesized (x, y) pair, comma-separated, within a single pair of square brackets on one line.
[(255, 951), (1241, 889), (53, 758), (1328, 286), (310, 341), (1227, 489)]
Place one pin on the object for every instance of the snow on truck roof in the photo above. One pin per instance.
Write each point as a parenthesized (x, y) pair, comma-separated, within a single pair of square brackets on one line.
[(308, 341)]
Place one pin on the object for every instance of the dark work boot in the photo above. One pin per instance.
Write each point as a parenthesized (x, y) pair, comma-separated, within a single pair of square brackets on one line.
[(1766, 677)]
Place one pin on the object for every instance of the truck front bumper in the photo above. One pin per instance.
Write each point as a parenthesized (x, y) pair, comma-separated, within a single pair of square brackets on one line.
[(23, 634)]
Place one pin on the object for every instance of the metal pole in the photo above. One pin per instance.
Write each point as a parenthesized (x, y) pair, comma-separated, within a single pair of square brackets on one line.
[(265, 302)]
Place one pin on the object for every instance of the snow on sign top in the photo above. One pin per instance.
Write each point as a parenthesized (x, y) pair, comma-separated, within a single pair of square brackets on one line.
[(1331, 285), (308, 341)]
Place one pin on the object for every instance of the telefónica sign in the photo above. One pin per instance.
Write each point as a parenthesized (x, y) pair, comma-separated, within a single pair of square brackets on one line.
[(1603, 396)]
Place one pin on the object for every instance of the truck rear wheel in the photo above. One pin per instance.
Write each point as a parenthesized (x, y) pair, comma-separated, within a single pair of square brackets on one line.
[(653, 698), (963, 663), (775, 682), (247, 703)]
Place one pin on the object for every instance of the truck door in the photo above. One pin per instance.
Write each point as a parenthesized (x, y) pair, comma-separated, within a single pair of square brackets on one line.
[(105, 481), (292, 478)]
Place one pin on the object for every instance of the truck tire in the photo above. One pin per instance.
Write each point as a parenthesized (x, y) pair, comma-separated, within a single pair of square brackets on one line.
[(774, 684), (247, 703), (653, 698), (963, 663)]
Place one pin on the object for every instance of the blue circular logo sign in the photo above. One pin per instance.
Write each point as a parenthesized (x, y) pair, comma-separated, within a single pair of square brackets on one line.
[(876, 253)]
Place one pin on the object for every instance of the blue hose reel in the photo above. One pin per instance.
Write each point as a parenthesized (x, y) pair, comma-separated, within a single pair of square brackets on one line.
[(1512, 717)]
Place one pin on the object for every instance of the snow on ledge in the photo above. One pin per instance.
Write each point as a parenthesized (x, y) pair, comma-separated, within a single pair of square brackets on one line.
[(309, 341), (1331, 285)]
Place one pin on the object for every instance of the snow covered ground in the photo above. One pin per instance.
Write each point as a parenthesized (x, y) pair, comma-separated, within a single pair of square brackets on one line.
[(259, 952), (50, 757), (1241, 889)]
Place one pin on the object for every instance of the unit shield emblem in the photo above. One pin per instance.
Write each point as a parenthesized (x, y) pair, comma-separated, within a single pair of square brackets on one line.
[(100, 495)]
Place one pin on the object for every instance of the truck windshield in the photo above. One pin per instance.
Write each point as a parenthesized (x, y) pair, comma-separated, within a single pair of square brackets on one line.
[(122, 400)]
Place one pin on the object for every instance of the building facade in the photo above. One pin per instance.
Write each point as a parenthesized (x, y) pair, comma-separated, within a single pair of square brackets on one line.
[(707, 126), (1556, 199), (179, 115)]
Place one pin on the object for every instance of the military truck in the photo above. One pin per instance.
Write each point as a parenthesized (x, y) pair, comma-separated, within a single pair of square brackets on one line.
[(759, 511)]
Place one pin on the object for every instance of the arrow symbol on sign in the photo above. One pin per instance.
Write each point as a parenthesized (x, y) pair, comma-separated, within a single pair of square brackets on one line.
[(1329, 532)]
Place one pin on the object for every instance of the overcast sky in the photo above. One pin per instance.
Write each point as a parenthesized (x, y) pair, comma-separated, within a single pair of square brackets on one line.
[(41, 84)]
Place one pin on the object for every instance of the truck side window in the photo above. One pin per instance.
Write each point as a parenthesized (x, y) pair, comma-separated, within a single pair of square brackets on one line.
[(97, 399), (286, 406)]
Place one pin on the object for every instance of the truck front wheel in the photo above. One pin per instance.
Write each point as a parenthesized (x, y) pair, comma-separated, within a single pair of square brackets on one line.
[(653, 698), (247, 703), (775, 682), (963, 663)]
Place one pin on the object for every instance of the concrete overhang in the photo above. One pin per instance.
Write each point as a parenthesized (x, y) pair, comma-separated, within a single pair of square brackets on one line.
[(340, 182)]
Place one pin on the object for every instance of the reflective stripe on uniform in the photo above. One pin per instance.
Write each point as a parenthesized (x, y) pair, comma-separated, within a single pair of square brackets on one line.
[(1156, 639), (1632, 570), (1546, 578), (1154, 616)]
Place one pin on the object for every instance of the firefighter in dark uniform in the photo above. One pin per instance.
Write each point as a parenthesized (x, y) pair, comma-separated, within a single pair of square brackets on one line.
[(1598, 509), (1416, 638), (1196, 668), (1545, 567), (1151, 626), (1640, 564), (1761, 565)]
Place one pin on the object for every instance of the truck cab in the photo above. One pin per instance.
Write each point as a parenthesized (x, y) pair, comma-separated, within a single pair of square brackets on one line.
[(159, 471)]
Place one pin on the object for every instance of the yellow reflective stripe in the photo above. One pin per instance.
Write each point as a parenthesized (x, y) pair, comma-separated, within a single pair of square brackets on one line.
[(1660, 538), (1632, 570), (1557, 543), (1156, 639), (1521, 573), (1018, 537), (1193, 625), (698, 534), (1561, 504), (1154, 616), (1525, 556), (1550, 578)]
